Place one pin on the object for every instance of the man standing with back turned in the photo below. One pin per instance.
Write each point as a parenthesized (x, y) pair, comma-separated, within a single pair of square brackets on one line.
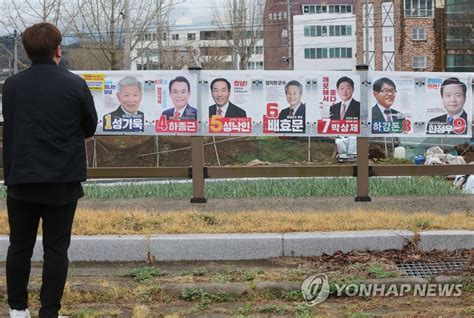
[(48, 112)]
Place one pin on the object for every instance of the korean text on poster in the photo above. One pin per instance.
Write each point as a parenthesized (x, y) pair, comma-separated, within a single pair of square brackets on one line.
[(447, 106), (392, 104), (285, 112), (229, 99), (339, 105), (177, 102)]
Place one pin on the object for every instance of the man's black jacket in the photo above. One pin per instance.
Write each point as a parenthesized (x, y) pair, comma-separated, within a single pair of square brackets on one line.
[(48, 112)]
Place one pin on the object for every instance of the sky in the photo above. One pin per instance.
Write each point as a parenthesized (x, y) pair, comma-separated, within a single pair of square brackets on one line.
[(200, 11)]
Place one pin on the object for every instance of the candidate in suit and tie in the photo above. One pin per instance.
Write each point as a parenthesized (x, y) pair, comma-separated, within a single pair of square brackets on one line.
[(385, 91), (348, 107), (220, 90), (180, 91), (129, 95), (453, 94), (293, 92)]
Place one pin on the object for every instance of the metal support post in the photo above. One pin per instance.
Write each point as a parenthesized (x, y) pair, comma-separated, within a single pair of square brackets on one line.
[(362, 170), (363, 141), (197, 161)]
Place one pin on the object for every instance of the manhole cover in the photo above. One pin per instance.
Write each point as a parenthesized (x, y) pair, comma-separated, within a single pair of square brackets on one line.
[(426, 269)]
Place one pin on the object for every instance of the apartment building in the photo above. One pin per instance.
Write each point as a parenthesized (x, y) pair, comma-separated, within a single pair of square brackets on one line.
[(400, 35), (185, 44), (459, 31), (309, 34)]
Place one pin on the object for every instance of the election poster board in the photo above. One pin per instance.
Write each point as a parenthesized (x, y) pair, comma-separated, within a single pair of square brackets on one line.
[(119, 111), (392, 103), (289, 104), (176, 102), (280, 103), (339, 104), (144, 102), (447, 105), (226, 101)]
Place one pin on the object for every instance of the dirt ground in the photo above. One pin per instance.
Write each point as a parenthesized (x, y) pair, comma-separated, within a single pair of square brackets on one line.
[(141, 151), (265, 288)]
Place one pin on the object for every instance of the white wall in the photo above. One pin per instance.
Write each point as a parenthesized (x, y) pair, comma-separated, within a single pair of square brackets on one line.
[(301, 42)]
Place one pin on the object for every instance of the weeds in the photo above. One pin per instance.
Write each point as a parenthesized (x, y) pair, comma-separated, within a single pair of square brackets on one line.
[(144, 274), (377, 271)]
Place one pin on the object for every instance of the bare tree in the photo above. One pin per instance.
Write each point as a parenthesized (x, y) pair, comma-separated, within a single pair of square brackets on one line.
[(242, 24), (18, 15), (101, 22)]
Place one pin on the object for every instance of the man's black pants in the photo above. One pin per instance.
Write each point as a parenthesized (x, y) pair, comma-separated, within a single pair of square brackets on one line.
[(24, 218)]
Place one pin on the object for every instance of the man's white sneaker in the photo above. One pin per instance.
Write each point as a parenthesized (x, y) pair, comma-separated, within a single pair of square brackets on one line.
[(19, 313)]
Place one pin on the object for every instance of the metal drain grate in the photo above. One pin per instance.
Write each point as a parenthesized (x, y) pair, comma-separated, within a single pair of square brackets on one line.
[(429, 269)]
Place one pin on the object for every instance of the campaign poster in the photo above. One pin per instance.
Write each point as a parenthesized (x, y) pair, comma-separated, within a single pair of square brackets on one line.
[(285, 104), (176, 103), (118, 98), (448, 105), (227, 103), (339, 104), (391, 104)]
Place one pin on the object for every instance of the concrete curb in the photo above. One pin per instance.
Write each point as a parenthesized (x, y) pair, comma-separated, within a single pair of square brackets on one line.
[(186, 247)]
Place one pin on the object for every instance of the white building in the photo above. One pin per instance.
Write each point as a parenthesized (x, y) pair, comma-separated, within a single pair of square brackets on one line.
[(185, 44), (325, 39)]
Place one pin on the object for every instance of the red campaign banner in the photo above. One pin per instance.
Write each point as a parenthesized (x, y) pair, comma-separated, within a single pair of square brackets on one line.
[(175, 126), (339, 127), (224, 125)]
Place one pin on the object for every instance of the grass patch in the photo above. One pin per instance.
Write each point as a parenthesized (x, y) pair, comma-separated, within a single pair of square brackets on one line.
[(144, 274), (275, 188), (89, 222)]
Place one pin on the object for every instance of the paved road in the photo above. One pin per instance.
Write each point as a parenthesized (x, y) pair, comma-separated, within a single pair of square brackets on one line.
[(409, 204)]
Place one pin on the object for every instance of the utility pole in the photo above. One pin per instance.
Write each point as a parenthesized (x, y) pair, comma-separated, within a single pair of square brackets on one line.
[(290, 36), (127, 36), (367, 32), (159, 32), (15, 52), (235, 62)]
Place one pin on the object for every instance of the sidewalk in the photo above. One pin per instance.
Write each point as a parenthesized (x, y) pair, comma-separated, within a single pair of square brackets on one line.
[(264, 288)]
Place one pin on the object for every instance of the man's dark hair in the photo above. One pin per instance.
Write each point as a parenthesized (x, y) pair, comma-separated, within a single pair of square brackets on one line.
[(41, 40), (220, 79), (294, 83), (383, 80), (453, 81), (181, 79), (345, 79)]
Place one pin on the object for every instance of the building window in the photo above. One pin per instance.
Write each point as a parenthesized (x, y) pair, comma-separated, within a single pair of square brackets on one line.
[(340, 9), (418, 34), (191, 36), (259, 50), (418, 8), (309, 53), (175, 37), (460, 63), (255, 65), (458, 6), (322, 30), (325, 53), (419, 62)]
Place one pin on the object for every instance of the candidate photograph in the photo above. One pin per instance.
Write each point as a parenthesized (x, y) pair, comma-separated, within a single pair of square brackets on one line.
[(296, 109), (180, 92), (348, 108), (453, 96), (220, 90), (129, 96), (384, 91)]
